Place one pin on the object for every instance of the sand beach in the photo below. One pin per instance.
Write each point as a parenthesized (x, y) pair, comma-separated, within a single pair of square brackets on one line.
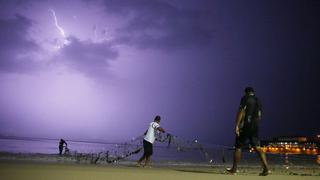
[(35, 171), (49, 167)]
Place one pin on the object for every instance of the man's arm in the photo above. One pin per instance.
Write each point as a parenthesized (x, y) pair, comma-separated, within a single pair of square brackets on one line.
[(239, 118), (161, 129), (259, 109), (156, 126), (259, 115)]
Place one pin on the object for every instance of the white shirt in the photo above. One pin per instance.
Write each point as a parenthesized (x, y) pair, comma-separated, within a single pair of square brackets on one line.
[(150, 136)]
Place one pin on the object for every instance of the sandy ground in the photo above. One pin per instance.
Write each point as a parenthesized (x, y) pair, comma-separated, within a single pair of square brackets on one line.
[(11, 170)]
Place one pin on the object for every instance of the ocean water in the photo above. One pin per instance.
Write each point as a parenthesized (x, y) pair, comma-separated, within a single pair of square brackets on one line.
[(207, 154), (48, 146)]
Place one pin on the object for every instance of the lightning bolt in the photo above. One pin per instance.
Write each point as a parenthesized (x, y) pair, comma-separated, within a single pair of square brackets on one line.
[(57, 24)]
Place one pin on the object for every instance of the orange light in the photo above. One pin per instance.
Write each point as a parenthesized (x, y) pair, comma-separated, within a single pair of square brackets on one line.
[(302, 139)]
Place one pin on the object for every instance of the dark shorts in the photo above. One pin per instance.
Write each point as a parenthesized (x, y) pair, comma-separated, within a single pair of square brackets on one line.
[(247, 135), (148, 148)]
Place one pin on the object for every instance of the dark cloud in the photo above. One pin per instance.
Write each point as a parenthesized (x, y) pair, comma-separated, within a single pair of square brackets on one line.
[(159, 24), (15, 46), (17, 51), (87, 57)]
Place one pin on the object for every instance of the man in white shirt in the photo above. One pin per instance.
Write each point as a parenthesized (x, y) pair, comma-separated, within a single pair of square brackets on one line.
[(149, 140)]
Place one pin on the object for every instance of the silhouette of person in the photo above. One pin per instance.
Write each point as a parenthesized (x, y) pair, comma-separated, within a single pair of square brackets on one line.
[(61, 143), (247, 121), (149, 140)]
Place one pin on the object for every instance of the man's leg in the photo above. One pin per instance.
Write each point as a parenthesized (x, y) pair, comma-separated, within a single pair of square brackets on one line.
[(263, 160), (148, 157), (236, 160), (237, 152), (145, 152), (60, 150), (256, 144), (141, 159)]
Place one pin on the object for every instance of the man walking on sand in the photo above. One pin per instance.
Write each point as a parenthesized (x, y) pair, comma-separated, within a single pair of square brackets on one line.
[(149, 140), (247, 121)]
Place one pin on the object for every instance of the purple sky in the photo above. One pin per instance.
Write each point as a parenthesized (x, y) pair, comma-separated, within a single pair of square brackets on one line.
[(102, 69)]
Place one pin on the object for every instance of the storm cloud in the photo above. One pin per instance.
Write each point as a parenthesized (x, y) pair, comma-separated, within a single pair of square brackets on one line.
[(20, 53), (16, 48), (86, 57), (161, 25)]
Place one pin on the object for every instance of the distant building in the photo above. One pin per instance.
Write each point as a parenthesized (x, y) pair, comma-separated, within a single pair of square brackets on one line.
[(292, 145)]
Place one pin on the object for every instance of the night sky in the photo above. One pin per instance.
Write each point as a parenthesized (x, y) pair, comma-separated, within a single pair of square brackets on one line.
[(102, 69)]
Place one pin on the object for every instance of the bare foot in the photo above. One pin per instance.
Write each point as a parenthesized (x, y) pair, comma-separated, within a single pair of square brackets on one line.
[(265, 172), (231, 171)]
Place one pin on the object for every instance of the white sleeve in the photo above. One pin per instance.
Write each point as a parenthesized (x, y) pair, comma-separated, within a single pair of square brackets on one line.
[(155, 125)]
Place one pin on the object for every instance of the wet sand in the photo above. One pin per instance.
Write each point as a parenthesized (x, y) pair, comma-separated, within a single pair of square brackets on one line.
[(15, 170)]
